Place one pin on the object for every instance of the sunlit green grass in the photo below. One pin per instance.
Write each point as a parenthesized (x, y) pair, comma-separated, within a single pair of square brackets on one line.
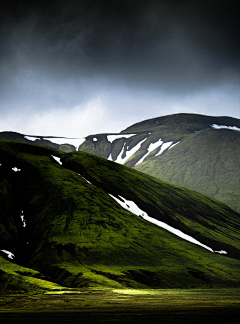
[(79, 237)]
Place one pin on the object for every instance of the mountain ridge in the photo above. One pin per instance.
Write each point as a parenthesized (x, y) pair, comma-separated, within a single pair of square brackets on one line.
[(169, 147)]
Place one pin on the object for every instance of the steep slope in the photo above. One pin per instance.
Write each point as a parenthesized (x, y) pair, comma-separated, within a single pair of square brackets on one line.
[(195, 151), (207, 161), (77, 234), (179, 207)]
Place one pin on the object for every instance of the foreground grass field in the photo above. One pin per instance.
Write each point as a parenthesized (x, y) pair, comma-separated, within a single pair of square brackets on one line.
[(123, 306)]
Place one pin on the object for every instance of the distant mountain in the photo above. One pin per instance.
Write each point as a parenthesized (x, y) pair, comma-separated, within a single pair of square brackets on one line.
[(49, 141), (195, 151), (77, 220)]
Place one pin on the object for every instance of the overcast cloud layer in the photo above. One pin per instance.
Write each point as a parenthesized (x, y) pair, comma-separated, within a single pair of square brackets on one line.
[(73, 68)]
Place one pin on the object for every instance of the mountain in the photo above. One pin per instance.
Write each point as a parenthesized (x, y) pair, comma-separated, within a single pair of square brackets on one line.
[(195, 151), (41, 140), (78, 220)]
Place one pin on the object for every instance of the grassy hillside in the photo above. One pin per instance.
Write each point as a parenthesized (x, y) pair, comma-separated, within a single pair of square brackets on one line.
[(177, 125), (18, 279), (207, 161), (177, 206), (80, 237)]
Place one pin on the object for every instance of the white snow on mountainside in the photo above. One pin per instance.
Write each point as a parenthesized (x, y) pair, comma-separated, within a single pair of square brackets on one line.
[(226, 127), (59, 140), (151, 147), (57, 159), (73, 141), (133, 208), (15, 169), (164, 147), (31, 138), (173, 145), (9, 254), (128, 153), (112, 138)]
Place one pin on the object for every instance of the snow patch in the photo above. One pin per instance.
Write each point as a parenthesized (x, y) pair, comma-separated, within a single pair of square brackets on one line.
[(164, 147), (22, 218), (57, 159), (128, 153), (151, 147), (133, 208), (10, 254), (111, 138), (129, 205), (84, 178), (119, 158), (16, 169), (221, 252), (223, 126), (173, 145), (64, 140), (32, 138), (95, 139), (110, 157)]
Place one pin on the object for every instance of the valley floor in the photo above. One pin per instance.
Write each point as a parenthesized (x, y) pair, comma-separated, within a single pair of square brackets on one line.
[(123, 306)]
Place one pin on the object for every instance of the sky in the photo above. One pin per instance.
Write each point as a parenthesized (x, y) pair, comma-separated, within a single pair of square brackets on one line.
[(74, 68)]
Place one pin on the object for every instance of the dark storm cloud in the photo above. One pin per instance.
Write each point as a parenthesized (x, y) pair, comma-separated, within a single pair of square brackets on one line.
[(153, 39), (63, 52)]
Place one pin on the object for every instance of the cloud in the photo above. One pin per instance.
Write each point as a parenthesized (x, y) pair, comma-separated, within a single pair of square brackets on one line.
[(118, 107), (182, 46), (137, 59), (75, 122)]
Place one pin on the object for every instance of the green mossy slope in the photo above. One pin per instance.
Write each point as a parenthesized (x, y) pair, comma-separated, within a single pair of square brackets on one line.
[(18, 279), (80, 237), (207, 161), (206, 219)]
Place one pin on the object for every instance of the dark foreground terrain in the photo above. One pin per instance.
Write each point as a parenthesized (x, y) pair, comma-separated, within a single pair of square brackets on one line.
[(123, 306)]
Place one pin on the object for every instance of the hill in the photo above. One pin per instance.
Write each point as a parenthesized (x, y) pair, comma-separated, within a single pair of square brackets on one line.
[(78, 234)]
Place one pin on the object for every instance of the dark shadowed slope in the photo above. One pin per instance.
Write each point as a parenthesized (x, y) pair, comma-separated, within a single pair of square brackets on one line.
[(79, 236)]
